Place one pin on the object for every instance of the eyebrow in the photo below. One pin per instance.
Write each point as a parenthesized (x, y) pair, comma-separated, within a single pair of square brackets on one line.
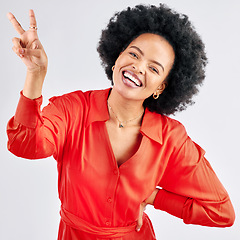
[(141, 52)]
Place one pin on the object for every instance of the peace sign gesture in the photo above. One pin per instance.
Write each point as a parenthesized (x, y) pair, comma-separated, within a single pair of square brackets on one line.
[(28, 46)]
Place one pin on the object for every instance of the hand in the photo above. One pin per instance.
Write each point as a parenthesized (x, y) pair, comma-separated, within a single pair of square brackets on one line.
[(27, 46), (149, 200)]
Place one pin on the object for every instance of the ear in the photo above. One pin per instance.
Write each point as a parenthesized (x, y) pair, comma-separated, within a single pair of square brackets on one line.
[(161, 88)]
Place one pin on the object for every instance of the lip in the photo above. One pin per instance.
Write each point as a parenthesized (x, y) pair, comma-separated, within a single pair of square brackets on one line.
[(135, 76)]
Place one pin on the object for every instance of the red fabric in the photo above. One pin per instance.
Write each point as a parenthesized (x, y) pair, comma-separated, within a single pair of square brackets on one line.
[(78, 223), (91, 185)]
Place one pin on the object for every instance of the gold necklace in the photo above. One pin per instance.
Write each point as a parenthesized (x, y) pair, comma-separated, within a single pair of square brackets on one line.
[(120, 125)]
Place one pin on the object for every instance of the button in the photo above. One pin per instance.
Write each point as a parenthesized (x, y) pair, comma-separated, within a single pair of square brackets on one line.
[(109, 200), (108, 223)]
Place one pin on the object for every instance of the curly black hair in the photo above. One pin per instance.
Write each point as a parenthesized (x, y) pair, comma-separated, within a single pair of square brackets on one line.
[(188, 71)]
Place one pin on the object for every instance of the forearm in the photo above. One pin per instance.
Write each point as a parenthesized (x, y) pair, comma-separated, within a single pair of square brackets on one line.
[(150, 200), (27, 142), (27, 135), (33, 133), (195, 211)]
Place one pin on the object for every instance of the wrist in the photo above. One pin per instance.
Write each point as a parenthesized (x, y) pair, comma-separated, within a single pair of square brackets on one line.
[(40, 70), (33, 84)]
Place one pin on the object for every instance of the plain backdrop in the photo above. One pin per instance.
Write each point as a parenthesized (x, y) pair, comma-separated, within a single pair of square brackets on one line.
[(69, 31)]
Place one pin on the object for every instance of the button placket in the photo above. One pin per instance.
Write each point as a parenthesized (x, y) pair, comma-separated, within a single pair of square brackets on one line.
[(108, 223), (112, 187)]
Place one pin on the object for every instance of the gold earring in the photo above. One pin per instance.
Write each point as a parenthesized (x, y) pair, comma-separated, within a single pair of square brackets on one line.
[(156, 96), (113, 67)]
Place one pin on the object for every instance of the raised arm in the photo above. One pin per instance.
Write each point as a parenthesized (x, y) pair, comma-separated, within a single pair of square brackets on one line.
[(30, 50), (32, 133)]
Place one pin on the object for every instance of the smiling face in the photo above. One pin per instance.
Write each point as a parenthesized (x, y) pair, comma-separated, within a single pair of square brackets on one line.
[(140, 70)]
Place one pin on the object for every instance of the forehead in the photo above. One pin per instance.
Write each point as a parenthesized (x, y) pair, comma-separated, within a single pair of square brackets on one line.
[(150, 37), (154, 46)]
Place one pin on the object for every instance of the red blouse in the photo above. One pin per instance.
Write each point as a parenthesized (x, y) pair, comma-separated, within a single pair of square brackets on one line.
[(101, 200)]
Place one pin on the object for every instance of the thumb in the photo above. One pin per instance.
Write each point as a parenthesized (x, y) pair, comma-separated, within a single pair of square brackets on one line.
[(140, 216), (30, 52), (139, 223)]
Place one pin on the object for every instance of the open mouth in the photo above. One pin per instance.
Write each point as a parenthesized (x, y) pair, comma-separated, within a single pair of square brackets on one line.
[(134, 79)]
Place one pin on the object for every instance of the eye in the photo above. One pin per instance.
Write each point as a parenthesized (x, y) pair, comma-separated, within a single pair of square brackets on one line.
[(133, 54), (154, 69)]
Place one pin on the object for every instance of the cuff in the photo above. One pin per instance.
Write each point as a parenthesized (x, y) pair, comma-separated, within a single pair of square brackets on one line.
[(28, 111), (170, 202)]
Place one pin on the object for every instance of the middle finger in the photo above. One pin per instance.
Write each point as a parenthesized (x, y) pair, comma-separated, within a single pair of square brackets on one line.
[(33, 22)]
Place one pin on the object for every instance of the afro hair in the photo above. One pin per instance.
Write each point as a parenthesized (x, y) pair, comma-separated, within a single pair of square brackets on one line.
[(188, 71)]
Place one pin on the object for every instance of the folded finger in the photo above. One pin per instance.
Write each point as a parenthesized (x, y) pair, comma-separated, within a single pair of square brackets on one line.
[(24, 52), (15, 23), (17, 42), (32, 18), (36, 44), (31, 52), (18, 51)]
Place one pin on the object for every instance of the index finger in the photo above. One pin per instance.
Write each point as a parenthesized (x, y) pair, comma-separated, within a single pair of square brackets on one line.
[(15, 23)]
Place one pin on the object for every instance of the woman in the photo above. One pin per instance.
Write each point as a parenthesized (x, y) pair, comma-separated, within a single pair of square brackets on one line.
[(116, 149)]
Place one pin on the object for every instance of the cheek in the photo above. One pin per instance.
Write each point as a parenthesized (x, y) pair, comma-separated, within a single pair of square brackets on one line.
[(154, 81), (123, 60), (120, 62)]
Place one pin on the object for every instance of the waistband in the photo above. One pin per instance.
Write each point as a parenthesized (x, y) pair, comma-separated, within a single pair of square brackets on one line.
[(82, 225)]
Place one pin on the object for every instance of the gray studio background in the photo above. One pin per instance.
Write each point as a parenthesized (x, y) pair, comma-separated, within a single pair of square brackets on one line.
[(69, 32)]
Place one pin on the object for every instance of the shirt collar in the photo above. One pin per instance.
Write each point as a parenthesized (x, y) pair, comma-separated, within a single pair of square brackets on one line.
[(152, 125), (98, 111)]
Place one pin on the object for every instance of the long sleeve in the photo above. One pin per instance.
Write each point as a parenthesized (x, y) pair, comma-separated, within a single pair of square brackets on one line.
[(192, 191), (33, 133)]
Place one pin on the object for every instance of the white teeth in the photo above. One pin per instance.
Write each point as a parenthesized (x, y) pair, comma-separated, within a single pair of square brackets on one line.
[(132, 78)]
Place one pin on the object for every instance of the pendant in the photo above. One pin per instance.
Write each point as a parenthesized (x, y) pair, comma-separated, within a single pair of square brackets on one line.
[(120, 125)]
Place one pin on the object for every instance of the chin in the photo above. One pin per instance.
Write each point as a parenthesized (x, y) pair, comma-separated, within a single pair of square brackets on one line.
[(128, 93)]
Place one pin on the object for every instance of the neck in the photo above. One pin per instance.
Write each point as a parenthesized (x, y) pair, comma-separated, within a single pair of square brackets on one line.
[(124, 109)]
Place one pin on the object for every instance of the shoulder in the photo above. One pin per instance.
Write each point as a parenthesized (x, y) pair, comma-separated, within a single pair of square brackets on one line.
[(74, 99), (172, 124), (163, 129), (173, 130), (70, 105), (78, 102), (165, 124), (79, 96), (71, 98)]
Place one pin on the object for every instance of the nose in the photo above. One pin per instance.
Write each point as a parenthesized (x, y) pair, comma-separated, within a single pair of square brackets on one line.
[(139, 68)]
